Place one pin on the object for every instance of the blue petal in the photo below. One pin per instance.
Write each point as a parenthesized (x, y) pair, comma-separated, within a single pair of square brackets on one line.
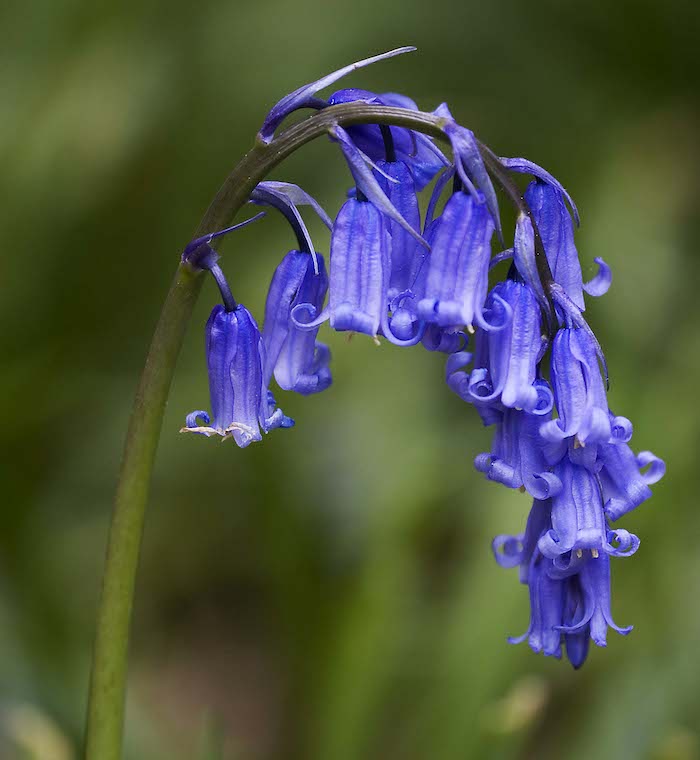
[(299, 363), (405, 256), (573, 315), (440, 184), (578, 390), (359, 269), (621, 543), (516, 459), (600, 284), (578, 520), (508, 550), (524, 257), (657, 467), (457, 274), (515, 351), (284, 287), (239, 400), (624, 487), (595, 578)]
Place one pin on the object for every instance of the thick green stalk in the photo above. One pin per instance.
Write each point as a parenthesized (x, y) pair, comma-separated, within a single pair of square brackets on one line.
[(105, 717), (106, 706)]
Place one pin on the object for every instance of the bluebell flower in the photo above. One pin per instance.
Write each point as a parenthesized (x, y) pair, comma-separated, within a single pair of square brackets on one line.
[(579, 393), (625, 477), (358, 276), (457, 268), (516, 350), (557, 232), (550, 594), (517, 457), (506, 361), (578, 518), (391, 276), (241, 405), (298, 361), (570, 600)]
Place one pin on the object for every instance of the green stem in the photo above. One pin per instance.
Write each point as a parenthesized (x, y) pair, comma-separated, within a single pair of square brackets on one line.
[(106, 703)]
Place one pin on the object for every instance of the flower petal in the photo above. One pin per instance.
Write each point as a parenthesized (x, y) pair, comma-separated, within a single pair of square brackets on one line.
[(600, 284)]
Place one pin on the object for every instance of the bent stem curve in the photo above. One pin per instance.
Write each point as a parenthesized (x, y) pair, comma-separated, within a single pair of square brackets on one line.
[(106, 702)]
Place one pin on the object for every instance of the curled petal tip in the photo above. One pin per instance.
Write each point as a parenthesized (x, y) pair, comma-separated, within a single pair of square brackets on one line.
[(656, 468), (600, 284)]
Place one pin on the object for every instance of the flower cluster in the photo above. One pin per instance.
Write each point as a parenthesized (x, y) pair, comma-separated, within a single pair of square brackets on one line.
[(535, 373), (555, 439)]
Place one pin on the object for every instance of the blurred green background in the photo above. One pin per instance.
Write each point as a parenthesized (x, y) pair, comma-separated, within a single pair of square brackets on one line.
[(330, 594)]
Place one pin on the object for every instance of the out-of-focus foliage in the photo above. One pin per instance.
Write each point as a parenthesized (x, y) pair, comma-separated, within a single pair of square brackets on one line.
[(329, 594)]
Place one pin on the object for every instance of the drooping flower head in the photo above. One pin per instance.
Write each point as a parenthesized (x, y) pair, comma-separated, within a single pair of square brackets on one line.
[(297, 360), (556, 229), (458, 265), (522, 354), (241, 405), (580, 393)]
